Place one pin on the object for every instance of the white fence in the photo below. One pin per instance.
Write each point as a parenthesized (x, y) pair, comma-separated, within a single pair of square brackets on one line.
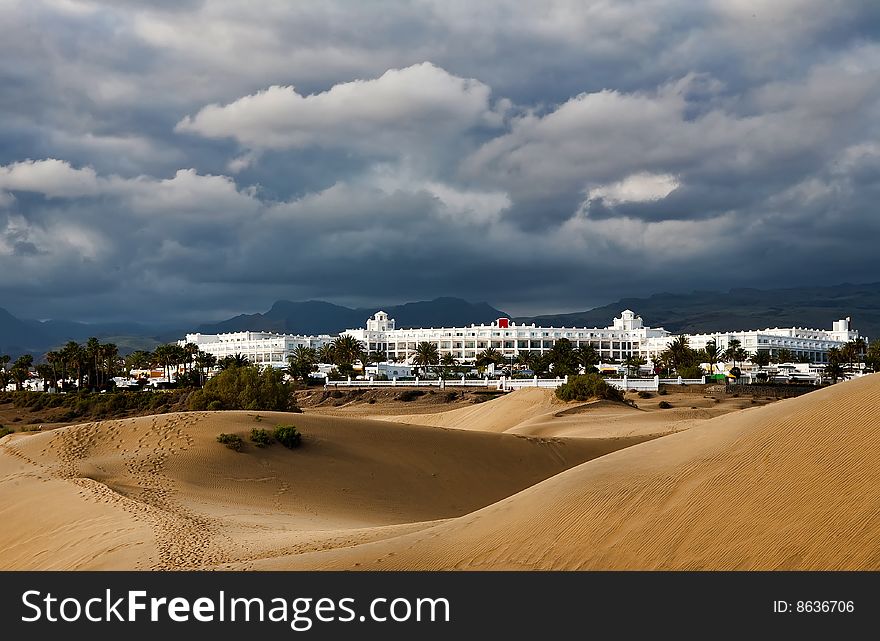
[(427, 382), (508, 384)]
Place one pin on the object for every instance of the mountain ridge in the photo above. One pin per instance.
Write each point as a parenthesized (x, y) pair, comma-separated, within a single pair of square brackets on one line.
[(689, 312)]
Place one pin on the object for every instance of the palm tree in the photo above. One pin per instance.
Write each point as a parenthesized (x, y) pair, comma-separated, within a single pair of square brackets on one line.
[(733, 351), (713, 354), (53, 359), (346, 350), (587, 357), (872, 358), (426, 354), (74, 357), (191, 350), (47, 373), (784, 355), (680, 354), (204, 361), (93, 352), (564, 357), (662, 362), (169, 356), (834, 367), (237, 360), (302, 362), (326, 353), (855, 350), (139, 359), (448, 363), (761, 358), (109, 358), (489, 356), (633, 364), (21, 370), (180, 356)]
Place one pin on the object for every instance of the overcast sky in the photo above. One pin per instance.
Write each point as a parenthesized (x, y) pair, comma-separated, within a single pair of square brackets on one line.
[(187, 161)]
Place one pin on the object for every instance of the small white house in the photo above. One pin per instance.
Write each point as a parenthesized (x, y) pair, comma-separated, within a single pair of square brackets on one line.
[(391, 370)]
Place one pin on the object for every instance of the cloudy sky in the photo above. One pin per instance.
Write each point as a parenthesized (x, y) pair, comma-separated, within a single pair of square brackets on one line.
[(187, 161)]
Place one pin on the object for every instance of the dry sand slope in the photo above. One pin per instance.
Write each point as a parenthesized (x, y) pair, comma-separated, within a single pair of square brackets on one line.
[(160, 492), (537, 412), (791, 485), (496, 415)]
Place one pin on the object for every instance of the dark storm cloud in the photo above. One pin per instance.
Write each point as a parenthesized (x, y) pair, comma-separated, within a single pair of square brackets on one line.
[(191, 160)]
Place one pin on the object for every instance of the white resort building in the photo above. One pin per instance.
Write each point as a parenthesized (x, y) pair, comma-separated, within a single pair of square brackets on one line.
[(626, 336), (803, 343), (261, 348)]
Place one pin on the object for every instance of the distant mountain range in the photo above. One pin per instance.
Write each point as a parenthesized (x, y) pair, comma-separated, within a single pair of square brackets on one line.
[(18, 336), (705, 311), (699, 311), (318, 317)]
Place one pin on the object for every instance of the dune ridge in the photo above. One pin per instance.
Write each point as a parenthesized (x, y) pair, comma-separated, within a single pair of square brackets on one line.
[(159, 492), (794, 485)]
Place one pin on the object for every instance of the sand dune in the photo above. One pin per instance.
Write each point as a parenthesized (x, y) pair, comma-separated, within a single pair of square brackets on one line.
[(537, 412), (159, 492), (793, 485), (497, 415)]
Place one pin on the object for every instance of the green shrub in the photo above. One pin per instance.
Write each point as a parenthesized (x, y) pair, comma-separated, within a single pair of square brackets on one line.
[(287, 435), (409, 395), (261, 437), (644, 394), (694, 371), (665, 405), (245, 388), (586, 387), (5, 430), (232, 441), (662, 391)]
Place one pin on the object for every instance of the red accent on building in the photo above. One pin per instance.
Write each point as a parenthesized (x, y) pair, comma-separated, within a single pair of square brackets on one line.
[(503, 322)]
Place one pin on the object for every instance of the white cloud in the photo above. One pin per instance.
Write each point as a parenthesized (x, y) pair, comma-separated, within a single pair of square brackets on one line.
[(637, 188), (52, 177), (611, 141), (398, 110)]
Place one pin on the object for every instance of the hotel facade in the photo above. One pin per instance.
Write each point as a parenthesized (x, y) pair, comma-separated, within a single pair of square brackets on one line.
[(626, 336), (260, 348)]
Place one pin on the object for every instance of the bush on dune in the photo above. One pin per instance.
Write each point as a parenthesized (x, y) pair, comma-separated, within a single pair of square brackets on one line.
[(260, 437), (245, 388), (287, 435), (587, 387), (232, 441)]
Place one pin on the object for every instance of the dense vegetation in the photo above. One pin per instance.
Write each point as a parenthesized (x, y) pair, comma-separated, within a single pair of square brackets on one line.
[(245, 388), (585, 387), (90, 405)]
